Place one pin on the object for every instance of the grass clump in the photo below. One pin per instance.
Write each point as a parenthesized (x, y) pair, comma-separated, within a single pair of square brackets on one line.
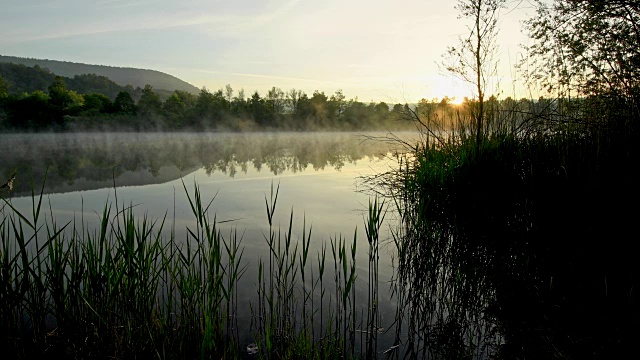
[(125, 291), (306, 310), (120, 291), (518, 248)]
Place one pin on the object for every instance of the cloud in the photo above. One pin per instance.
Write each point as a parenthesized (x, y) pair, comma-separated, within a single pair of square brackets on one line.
[(100, 20), (112, 26), (239, 25)]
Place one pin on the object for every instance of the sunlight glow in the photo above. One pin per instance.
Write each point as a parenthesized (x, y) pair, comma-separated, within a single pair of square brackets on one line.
[(457, 100), (257, 45), (455, 90)]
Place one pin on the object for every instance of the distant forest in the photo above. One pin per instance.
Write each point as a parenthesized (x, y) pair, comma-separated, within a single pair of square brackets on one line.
[(35, 99), (120, 75)]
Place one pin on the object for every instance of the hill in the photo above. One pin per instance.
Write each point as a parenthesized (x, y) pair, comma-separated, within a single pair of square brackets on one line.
[(24, 79), (120, 75)]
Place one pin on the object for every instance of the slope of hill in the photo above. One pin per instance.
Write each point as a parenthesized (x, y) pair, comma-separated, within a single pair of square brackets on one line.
[(121, 76), (21, 78)]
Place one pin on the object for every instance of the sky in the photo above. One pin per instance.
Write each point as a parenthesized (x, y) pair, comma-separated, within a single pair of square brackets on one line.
[(372, 50)]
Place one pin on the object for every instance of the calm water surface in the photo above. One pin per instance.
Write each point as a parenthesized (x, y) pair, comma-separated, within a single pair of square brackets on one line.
[(318, 174)]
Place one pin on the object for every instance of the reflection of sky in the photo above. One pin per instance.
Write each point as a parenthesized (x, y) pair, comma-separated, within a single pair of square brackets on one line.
[(326, 199)]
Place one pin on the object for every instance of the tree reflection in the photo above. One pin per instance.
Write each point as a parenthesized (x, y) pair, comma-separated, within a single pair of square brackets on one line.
[(75, 162)]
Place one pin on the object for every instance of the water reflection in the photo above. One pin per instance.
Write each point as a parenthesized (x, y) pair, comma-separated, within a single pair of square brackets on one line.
[(74, 162), (316, 174)]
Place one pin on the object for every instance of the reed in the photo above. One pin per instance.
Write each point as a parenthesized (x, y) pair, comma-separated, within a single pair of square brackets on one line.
[(123, 290), (119, 291), (295, 317), (509, 249)]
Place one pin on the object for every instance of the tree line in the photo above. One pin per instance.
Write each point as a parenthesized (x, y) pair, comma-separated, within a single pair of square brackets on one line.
[(61, 109), (19, 79)]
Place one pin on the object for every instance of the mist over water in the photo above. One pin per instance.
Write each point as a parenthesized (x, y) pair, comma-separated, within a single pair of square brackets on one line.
[(318, 174), (74, 162)]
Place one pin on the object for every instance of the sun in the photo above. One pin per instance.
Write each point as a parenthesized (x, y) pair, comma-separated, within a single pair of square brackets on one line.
[(452, 88), (458, 100)]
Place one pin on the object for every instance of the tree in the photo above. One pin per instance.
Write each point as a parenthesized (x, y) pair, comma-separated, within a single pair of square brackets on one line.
[(96, 103), (76, 104), (473, 59), (124, 103), (293, 98), (259, 110), (210, 107), (149, 102), (274, 105), (228, 93), (239, 104), (586, 47), (29, 111), (319, 107), (59, 96), (304, 110), (338, 104), (355, 115), (4, 88), (276, 100), (179, 104), (4, 93)]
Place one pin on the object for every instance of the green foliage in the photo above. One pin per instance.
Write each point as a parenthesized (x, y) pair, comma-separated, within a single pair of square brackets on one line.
[(31, 112), (59, 96), (149, 103), (94, 104), (530, 217), (92, 83), (83, 102), (124, 103), (288, 324), (22, 78), (4, 88), (520, 226), (209, 108), (259, 110), (588, 47), (137, 78), (179, 101), (122, 290)]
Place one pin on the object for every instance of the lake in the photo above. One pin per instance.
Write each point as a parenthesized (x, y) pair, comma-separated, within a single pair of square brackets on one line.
[(319, 177)]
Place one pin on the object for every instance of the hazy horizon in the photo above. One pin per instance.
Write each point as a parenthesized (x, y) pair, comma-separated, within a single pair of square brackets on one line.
[(372, 51)]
